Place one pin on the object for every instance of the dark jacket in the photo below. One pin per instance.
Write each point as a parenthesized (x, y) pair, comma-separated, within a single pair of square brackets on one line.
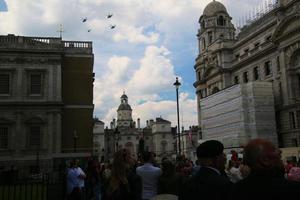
[(206, 184), (265, 185)]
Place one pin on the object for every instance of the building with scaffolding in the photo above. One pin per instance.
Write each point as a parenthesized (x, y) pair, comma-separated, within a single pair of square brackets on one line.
[(266, 50)]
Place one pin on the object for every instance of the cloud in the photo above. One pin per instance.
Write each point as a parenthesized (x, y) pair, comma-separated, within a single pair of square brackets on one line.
[(155, 73), (168, 110), (135, 35)]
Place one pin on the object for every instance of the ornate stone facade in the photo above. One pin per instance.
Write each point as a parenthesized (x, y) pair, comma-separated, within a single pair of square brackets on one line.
[(265, 50)]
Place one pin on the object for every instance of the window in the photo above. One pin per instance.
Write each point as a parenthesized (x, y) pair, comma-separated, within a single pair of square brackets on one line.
[(237, 56), (236, 80), (245, 77), (268, 38), (278, 64), (128, 138), (267, 68), (215, 90), (256, 45), (298, 76), (292, 120), (34, 136), (199, 75), (163, 136), (246, 51), (221, 21), (280, 91), (210, 37), (36, 84), (298, 118), (255, 73), (3, 137), (204, 44), (4, 84)]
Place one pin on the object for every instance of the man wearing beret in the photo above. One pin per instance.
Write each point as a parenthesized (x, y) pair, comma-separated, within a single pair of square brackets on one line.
[(210, 181)]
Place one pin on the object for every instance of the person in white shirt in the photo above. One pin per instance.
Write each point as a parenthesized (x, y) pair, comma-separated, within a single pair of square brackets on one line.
[(75, 181), (233, 171), (149, 175)]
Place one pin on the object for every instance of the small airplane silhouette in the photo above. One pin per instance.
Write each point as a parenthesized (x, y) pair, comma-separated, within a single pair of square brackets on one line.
[(112, 26), (84, 19), (89, 30), (109, 15)]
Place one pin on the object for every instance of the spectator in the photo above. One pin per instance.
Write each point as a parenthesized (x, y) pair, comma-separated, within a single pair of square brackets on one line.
[(75, 181), (149, 175), (209, 182), (123, 183), (266, 179), (294, 173), (233, 171), (169, 182)]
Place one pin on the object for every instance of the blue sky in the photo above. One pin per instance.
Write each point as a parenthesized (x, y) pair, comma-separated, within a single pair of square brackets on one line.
[(153, 42), (3, 6)]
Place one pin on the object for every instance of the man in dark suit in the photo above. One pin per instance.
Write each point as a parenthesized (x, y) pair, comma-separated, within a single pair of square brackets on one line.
[(266, 179), (210, 182)]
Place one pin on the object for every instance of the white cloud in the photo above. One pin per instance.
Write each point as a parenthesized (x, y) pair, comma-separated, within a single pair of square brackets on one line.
[(135, 35), (168, 110), (155, 73)]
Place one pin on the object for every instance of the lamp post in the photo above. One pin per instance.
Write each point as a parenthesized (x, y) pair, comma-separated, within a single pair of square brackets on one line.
[(177, 85), (75, 137)]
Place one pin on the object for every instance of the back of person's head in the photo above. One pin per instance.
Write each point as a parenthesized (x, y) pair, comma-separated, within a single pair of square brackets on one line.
[(147, 156), (210, 153), (119, 169), (168, 168), (261, 154)]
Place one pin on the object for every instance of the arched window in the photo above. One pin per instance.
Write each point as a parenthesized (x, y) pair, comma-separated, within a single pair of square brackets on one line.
[(221, 21)]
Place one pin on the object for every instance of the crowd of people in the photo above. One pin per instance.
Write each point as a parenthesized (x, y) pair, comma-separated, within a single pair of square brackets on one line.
[(260, 173)]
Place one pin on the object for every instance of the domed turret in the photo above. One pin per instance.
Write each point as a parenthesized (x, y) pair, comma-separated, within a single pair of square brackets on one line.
[(124, 112), (214, 8)]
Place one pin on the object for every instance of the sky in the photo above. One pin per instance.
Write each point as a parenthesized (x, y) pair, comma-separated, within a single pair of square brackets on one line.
[(154, 42)]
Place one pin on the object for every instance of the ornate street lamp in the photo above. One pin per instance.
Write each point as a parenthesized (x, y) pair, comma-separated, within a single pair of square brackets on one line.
[(177, 85)]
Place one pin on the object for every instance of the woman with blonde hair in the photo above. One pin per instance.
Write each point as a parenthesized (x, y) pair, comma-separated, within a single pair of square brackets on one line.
[(123, 183)]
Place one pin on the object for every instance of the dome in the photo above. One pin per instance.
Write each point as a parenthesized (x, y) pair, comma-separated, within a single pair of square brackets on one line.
[(124, 107), (213, 8)]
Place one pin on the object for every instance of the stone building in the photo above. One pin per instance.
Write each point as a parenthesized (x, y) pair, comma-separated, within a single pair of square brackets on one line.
[(157, 136), (98, 138), (46, 101), (266, 49)]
